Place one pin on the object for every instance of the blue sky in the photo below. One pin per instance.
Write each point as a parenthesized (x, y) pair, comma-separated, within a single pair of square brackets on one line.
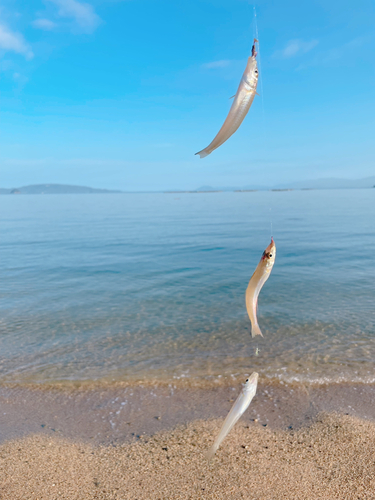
[(121, 94)]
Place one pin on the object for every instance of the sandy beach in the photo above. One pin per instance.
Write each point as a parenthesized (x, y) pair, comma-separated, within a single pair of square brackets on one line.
[(333, 458), (293, 443)]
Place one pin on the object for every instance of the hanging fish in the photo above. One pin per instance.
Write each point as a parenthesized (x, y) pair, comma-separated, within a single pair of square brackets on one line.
[(243, 99), (239, 407), (260, 276)]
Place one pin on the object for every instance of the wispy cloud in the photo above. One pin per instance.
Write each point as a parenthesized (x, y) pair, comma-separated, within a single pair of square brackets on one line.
[(338, 52), (20, 79), (296, 47), (82, 13), (335, 54), (224, 63), (11, 41), (44, 24)]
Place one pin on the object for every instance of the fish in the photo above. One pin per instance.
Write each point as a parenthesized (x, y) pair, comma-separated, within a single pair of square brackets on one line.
[(243, 99), (260, 276), (239, 407)]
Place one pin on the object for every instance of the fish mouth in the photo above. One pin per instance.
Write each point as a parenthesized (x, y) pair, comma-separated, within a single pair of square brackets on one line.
[(253, 378), (253, 50), (269, 250)]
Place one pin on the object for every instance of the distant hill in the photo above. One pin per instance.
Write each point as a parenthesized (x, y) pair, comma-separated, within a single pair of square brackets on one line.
[(332, 183), (233, 188), (328, 183), (55, 189)]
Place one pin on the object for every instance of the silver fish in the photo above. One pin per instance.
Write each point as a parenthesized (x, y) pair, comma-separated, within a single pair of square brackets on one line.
[(260, 276), (243, 99), (240, 406)]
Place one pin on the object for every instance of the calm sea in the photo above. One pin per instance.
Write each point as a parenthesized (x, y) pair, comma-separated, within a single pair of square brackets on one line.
[(151, 286)]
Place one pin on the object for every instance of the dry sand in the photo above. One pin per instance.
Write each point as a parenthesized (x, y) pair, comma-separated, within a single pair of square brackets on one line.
[(334, 458)]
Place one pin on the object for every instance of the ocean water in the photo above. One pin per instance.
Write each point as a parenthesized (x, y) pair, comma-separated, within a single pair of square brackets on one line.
[(148, 287)]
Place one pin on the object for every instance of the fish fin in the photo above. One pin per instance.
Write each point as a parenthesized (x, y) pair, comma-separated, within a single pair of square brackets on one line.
[(255, 330), (202, 154), (234, 96), (257, 94)]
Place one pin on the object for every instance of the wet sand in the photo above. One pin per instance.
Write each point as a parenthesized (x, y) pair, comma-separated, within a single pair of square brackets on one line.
[(149, 443), (116, 414)]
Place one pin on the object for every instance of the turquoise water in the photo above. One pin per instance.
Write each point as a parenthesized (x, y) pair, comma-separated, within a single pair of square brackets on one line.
[(151, 286)]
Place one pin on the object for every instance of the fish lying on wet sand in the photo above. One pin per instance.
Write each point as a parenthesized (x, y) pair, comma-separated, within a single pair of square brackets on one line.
[(260, 276), (239, 407), (243, 99)]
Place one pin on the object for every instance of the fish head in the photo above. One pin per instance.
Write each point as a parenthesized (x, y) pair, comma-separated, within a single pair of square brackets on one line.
[(250, 382), (251, 73), (269, 255)]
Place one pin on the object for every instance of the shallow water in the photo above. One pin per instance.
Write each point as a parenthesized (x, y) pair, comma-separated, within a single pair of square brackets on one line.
[(151, 286)]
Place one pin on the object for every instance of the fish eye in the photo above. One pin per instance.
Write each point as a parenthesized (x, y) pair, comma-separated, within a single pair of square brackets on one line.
[(247, 380), (270, 254)]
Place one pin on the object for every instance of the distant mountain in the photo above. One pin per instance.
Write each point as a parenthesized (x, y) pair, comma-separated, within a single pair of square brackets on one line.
[(55, 189), (233, 188), (332, 183), (206, 188), (328, 183)]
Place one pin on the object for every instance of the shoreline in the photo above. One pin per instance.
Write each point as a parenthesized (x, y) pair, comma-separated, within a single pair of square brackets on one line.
[(120, 413), (320, 447)]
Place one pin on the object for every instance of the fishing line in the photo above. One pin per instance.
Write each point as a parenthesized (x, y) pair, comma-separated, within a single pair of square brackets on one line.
[(256, 35), (261, 90), (259, 58)]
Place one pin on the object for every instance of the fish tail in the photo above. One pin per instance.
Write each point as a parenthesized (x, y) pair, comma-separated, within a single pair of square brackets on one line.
[(203, 153), (211, 452), (255, 330)]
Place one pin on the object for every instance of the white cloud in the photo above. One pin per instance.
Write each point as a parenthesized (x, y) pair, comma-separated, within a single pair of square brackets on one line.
[(44, 24), (216, 64), (295, 47), (83, 13), (14, 42)]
